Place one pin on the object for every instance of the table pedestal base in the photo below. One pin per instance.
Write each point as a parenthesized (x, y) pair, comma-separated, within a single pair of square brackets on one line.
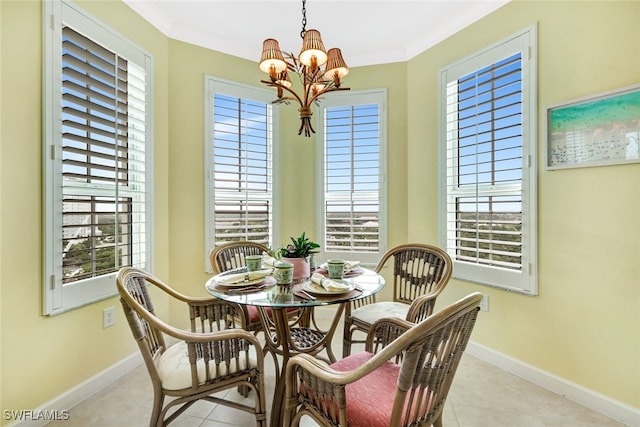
[(286, 340)]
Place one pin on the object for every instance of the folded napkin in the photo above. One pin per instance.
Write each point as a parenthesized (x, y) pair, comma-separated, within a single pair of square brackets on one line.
[(268, 260), (328, 284), (348, 265), (230, 279)]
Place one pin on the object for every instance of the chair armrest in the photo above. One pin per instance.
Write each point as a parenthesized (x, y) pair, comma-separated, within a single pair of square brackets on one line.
[(175, 294), (188, 336), (421, 308)]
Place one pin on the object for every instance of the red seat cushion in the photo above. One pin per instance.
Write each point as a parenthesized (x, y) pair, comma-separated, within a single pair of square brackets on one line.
[(254, 314), (370, 399)]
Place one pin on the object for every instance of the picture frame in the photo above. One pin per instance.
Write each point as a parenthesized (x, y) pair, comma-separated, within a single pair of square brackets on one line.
[(598, 130)]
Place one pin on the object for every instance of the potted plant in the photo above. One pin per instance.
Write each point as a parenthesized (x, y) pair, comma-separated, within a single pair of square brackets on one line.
[(297, 253)]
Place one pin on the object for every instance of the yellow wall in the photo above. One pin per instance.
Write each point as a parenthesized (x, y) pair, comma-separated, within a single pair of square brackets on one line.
[(297, 169), (43, 357), (584, 325), (1, 215)]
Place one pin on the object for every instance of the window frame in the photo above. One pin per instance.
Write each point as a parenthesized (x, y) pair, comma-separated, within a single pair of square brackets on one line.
[(58, 297), (348, 99), (524, 281), (214, 85)]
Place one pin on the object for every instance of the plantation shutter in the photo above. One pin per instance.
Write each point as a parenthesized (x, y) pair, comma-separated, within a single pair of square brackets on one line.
[(484, 165), (242, 168), (488, 159), (352, 173), (103, 159)]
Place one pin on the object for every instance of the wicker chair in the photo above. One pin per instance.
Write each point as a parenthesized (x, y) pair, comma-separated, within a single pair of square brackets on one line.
[(230, 256), (373, 389), (213, 356), (420, 273)]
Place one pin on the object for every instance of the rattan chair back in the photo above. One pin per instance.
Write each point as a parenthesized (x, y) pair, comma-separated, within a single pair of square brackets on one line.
[(231, 255), (420, 273), (418, 269)]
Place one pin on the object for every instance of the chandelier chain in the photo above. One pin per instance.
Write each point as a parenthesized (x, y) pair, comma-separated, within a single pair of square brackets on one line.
[(304, 18)]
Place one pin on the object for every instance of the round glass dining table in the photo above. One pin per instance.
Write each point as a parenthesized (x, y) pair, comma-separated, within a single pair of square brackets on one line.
[(286, 313)]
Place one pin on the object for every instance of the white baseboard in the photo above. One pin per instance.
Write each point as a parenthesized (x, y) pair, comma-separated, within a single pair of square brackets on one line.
[(605, 405), (57, 407)]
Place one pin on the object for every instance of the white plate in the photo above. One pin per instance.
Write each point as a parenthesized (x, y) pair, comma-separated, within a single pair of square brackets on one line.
[(355, 271), (242, 283), (314, 288)]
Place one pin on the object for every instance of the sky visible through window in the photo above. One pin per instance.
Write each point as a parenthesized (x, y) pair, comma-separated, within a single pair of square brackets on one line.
[(352, 151), (241, 151), (490, 132)]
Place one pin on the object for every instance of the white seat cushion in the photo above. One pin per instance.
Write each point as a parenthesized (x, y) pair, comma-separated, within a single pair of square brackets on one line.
[(372, 312), (175, 371)]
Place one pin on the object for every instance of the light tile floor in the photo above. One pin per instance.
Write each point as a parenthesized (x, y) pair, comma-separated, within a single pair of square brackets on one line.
[(482, 395)]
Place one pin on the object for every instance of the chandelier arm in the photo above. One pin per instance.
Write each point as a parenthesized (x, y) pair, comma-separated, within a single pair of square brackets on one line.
[(291, 61), (323, 91), (275, 84), (303, 76), (284, 100)]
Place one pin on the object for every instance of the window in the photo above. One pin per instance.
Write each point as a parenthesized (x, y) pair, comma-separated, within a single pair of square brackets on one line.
[(353, 135), (97, 145), (488, 164), (239, 164)]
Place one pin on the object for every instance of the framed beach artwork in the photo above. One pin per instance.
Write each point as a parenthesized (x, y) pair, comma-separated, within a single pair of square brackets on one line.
[(596, 131)]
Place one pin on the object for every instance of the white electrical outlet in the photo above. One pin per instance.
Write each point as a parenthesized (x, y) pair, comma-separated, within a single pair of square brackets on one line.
[(108, 317), (484, 304)]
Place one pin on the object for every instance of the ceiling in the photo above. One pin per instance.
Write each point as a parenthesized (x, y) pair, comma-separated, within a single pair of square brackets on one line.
[(367, 32)]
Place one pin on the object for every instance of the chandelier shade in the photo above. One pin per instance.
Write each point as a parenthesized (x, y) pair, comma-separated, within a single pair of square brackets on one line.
[(319, 72), (272, 57), (335, 65), (313, 52)]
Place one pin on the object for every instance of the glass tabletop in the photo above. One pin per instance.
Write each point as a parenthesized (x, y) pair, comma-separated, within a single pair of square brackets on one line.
[(361, 283)]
